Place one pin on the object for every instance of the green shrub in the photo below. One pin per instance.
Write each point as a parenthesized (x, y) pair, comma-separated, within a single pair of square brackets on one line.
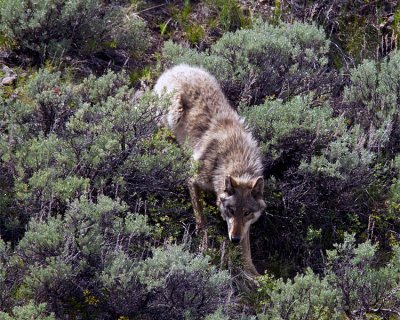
[(56, 28), (372, 103), (63, 140), (394, 193), (266, 60), (65, 147), (305, 297), (363, 286), (100, 259), (334, 149), (342, 157), (351, 25), (374, 94), (217, 315), (4, 288), (276, 120), (28, 312), (318, 172), (352, 287), (189, 285), (230, 16)]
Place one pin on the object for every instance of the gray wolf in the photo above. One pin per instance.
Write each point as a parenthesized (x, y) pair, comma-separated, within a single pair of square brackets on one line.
[(229, 159)]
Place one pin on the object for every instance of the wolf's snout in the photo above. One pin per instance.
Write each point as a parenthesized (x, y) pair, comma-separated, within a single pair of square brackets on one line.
[(235, 240)]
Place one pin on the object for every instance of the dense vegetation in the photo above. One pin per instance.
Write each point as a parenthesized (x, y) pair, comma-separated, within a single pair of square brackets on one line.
[(95, 216)]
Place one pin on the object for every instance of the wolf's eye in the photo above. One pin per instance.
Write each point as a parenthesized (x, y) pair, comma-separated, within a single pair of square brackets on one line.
[(230, 210)]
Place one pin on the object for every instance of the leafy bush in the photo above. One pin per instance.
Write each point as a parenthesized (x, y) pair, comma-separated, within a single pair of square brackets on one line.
[(276, 120), (374, 95), (318, 173), (27, 312), (352, 287), (267, 60), (64, 146), (98, 259), (230, 15), (351, 24), (305, 297), (182, 283), (61, 140), (54, 28)]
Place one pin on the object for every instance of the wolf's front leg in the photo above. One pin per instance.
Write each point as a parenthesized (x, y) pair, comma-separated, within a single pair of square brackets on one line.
[(249, 267), (201, 219)]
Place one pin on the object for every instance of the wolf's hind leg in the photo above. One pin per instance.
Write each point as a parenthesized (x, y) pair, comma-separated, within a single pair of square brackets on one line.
[(201, 219)]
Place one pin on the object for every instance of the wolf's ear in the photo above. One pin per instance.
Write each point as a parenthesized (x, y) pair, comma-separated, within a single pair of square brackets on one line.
[(258, 187), (230, 185)]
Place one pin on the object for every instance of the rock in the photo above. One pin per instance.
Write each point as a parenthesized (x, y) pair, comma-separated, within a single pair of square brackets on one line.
[(7, 70), (8, 80)]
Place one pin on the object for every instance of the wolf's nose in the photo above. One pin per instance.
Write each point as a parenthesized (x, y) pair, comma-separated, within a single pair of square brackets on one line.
[(235, 240)]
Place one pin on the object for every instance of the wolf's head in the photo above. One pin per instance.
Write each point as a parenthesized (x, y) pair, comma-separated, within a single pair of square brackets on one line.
[(241, 205)]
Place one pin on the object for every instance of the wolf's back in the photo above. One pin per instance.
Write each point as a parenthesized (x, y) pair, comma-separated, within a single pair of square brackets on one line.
[(196, 101), (184, 76), (201, 116)]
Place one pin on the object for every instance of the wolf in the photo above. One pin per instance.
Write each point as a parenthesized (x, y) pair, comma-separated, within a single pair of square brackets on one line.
[(228, 157)]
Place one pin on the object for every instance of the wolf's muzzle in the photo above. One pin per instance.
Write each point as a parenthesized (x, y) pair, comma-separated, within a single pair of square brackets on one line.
[(235, 240)]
